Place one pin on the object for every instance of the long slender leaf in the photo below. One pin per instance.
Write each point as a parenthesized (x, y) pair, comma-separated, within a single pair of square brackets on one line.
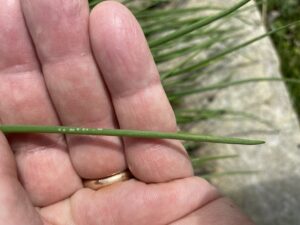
[(229, 173), (173, 12), (197, 162), (126, 133), (196, 25), (228, 51), (230, 84)]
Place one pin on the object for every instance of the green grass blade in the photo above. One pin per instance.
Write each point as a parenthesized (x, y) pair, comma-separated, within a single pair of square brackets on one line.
[(223, 85), (206, 62), (185, 50), (177, 70), (126, 133), (167, 26), (155, 14), (186, 116), (197, 162), (93, 3), (150, 4), (196, 25), (195, 35), (229, 173)]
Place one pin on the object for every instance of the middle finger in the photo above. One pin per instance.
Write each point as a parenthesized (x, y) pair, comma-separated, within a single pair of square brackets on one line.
[(73, 80)]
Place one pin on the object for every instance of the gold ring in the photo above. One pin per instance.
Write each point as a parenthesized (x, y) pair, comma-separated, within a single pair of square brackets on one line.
[(103, 182)]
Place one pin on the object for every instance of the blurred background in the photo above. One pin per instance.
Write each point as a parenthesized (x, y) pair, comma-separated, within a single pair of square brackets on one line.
[(287, 43)]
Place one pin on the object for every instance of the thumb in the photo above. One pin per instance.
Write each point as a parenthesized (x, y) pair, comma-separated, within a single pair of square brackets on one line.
[(15, 207)]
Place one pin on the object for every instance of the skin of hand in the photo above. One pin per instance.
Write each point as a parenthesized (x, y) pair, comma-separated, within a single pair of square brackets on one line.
[(62, 64)]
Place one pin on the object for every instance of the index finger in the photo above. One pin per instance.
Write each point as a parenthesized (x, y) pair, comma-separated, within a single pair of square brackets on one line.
[(139, 100)]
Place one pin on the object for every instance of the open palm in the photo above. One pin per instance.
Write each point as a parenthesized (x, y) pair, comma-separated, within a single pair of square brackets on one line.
[(59, 64)]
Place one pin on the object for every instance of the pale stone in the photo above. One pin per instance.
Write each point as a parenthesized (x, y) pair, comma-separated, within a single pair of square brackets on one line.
[(270, 197)]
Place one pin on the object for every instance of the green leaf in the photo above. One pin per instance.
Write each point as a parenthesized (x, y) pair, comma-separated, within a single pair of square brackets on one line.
[(207, 61), (196, 25), (229, 173), (197, 162), (223, 85), (7, 129)]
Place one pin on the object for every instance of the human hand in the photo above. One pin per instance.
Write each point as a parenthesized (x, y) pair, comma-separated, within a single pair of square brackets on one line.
[(64, 66)]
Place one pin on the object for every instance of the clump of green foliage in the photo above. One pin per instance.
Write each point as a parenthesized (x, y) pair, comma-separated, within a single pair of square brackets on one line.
[(185, 43), (277, 13)]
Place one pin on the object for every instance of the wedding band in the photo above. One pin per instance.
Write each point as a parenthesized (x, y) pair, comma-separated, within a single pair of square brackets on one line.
[(103, 182)]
